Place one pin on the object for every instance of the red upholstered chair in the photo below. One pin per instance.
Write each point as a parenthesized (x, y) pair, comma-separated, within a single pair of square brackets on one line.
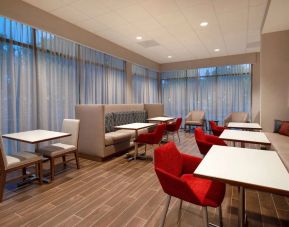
[(174, 127), (153, 137), (175, 173), (205, 141), (217, 130)]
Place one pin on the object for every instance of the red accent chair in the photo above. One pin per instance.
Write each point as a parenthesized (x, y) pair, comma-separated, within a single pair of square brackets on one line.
[(217, 130), (205, 141), (153, 137), (175, 173), (174, 127)]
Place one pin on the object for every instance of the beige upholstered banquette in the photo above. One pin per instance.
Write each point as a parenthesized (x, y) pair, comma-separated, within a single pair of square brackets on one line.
[(95, 140)]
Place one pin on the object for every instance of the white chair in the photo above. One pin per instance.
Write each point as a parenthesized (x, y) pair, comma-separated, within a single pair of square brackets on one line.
[(236, 117), (16, 161), (195, 118), (66, 145)]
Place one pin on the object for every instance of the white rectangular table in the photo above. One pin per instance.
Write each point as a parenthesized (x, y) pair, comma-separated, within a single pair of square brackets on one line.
[(161, 119), (244, 126), (245, 137), (246, 168), (35, 137), (135, 127)]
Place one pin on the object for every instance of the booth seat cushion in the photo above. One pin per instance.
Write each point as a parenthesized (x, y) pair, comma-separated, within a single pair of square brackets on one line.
[(116, 137), (194, 123), (280, 143), (132, 132)]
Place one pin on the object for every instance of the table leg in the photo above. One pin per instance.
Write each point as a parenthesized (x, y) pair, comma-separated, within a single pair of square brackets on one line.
[(241, 211), (242, 144), (135, 145)]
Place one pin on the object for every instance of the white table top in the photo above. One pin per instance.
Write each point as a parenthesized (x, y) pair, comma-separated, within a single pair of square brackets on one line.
[(245, 136), (161, 119), (35, 136), (242, 125), (250, 168), (135, 126)]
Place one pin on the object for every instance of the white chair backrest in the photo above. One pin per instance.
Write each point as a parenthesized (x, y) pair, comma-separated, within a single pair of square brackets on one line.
[(70, 126), (3, 158), (239, 117), (198, 115)]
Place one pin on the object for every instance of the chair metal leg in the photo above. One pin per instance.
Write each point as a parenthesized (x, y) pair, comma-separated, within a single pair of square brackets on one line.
[(178, 136), (180, 211), (163, 219), (220, 216), (205, 216)]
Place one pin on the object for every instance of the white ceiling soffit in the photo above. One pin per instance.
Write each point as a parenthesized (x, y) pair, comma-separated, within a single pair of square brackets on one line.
[(175, 24), (277, 18)]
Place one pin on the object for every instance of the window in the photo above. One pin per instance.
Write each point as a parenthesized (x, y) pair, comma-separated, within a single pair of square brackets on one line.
[(43, 77), (145, 85), (215, 90)]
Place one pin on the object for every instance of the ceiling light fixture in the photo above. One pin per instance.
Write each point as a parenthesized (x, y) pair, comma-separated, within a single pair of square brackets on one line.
[(139, 38), (204, 24), (169, 56), (217, 50)]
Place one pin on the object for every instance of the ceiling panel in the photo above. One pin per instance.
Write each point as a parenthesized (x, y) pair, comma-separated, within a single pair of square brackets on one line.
[(234, 25)]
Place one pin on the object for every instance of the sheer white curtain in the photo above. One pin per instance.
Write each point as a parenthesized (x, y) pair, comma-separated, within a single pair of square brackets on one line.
[(114, 80), (91, 76), (215, 90), (145, 85), (153, 87), (174, 93), (17, 81), (58, 89)]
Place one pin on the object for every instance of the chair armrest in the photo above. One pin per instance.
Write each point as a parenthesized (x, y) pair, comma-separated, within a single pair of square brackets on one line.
[(227, 119), (214, 140), (188, 116), (172, 185), (190, 163)]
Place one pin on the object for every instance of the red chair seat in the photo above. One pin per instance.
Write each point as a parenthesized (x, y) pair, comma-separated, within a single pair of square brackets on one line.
[(154, 137), (207, 192)]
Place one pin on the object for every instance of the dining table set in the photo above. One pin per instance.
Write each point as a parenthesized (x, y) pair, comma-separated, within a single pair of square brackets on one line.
[(138, 126), (246, 168)]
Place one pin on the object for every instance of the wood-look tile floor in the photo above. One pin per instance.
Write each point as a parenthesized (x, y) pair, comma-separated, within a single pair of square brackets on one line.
[(121, 193)]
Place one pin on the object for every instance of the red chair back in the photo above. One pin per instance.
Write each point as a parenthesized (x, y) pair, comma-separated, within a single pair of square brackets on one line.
[(217, 130), (178, 123), (213, 125), (168, 159), (199, 134), (158, 133)]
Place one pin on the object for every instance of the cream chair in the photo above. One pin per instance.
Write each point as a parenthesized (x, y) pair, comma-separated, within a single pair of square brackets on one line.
[(236, 117), (195, 118), (66, 145), (17, 161)]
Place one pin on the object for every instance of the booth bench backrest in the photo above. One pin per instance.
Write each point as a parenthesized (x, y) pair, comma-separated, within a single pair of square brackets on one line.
[(113, 119)]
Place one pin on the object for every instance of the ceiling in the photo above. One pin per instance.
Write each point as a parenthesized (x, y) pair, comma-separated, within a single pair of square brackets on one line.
[(277, 18), (172, 25)]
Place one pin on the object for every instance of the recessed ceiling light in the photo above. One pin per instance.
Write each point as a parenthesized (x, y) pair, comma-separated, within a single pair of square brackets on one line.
[(204, 24), (138, 37), (217, 50), (169, 56)]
